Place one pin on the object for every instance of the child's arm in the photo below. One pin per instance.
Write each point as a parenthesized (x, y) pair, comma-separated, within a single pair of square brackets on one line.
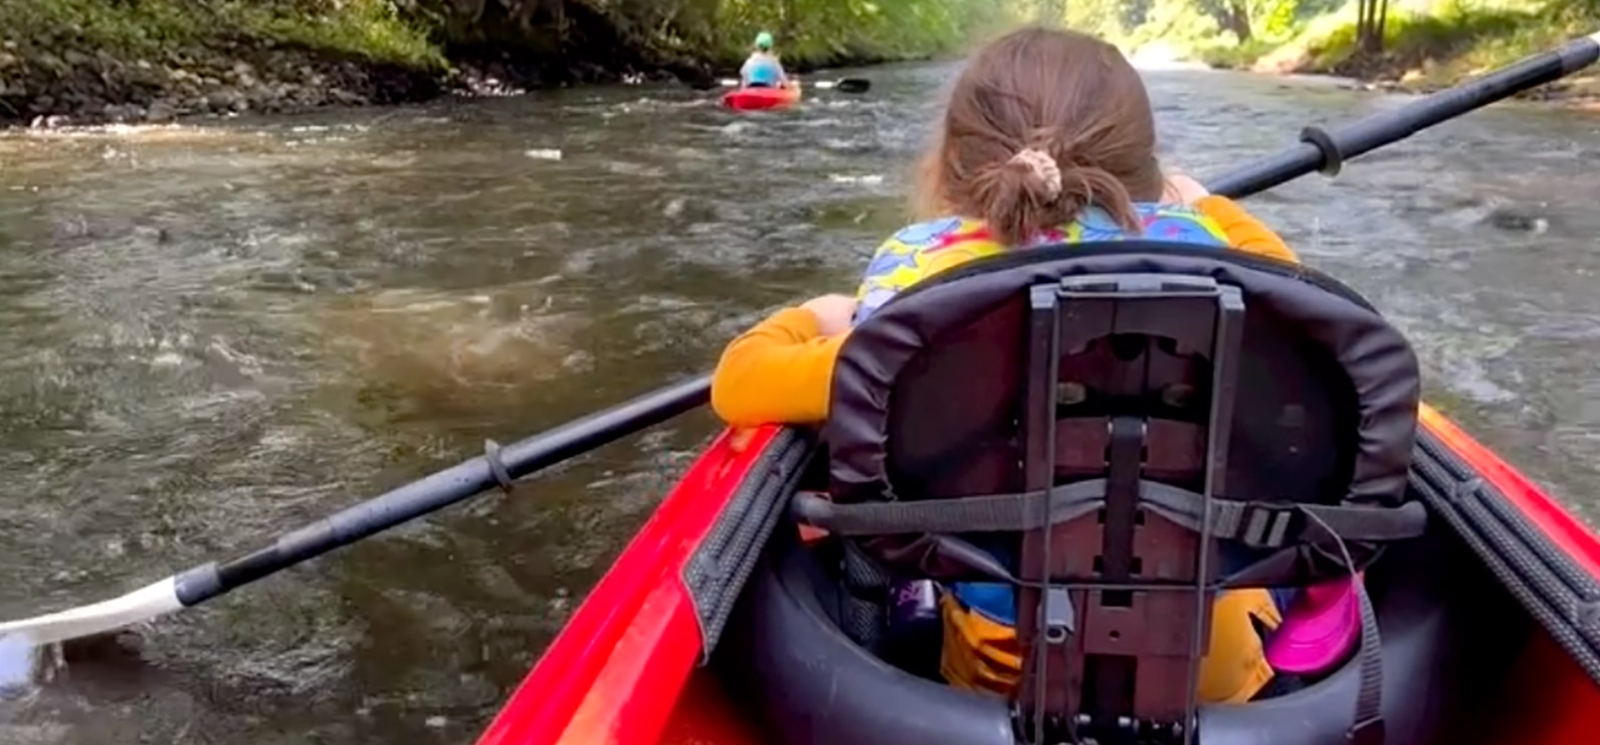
[(1244, 231), (779, 372)]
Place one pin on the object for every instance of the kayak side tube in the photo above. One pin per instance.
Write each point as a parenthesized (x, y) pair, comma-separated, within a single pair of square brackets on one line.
[(721, 566), (1546, 557), (617, 669)]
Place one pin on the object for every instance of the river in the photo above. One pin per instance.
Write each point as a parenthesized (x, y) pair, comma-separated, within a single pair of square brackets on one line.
[(216, 332)]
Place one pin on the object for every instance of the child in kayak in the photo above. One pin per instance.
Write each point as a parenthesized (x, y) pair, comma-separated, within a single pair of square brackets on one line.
[(762, 69), (1048, 138)]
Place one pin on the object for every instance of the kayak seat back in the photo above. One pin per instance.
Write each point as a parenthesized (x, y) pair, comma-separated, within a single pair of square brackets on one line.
[(1178, 409)]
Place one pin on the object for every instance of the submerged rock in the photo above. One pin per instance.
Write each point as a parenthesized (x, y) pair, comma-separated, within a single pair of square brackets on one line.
[(1517, 219)]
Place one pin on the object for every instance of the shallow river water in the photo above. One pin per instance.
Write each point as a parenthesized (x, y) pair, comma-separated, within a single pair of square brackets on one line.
[(214, 333)]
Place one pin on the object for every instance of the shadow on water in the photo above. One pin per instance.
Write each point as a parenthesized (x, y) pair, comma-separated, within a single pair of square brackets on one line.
[(215, 333)]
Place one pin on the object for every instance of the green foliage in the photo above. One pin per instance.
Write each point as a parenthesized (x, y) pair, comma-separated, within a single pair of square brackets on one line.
[(1439, 37), (422, 33), (1450, 38), (826, 31), (1442, 39), (371, 29)]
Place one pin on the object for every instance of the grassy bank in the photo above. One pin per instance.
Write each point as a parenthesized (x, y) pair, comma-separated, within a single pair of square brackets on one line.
[(98, 60), (1427, 43), (1446, 42)]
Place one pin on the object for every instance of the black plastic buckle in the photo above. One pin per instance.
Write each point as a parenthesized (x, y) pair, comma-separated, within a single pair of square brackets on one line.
[(1369, 732), (1060, 618), (1263, 526)]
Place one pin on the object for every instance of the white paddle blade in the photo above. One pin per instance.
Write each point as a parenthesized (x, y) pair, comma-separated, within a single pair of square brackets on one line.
[(824, 84), (729, 82), (142, 604)]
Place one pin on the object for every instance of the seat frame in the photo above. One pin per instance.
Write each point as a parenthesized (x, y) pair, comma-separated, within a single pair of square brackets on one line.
[(1115, 608)]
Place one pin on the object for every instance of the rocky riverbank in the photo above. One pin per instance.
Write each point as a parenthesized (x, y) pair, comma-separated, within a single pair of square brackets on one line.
[(94, 61), (1581, 93), (1424, 52), (1406, 75), (52, 86)]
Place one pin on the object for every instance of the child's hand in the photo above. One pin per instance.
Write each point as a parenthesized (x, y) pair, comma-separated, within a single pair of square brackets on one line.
[(1181, 189), (833, 312)]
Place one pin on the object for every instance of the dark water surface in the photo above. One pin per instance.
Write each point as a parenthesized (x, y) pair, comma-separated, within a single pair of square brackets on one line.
[(215, 333)]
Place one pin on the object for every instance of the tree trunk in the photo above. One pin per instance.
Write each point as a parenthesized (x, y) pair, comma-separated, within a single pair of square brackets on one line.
[(1361, 25), (1377, 28), (1239, 21), (1371, 16)]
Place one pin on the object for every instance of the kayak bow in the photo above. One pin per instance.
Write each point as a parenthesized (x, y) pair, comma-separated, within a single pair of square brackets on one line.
[(761, 99)]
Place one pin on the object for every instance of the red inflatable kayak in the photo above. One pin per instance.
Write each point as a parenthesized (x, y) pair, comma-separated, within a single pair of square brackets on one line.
[(753, 576), (756, 99)]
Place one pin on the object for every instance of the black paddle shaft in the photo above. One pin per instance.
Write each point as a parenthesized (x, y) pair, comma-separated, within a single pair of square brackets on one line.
[(443, 489), (1317, 151)]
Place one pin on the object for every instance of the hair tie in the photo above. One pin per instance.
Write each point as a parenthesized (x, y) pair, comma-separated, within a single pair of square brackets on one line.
[(1043, 166)]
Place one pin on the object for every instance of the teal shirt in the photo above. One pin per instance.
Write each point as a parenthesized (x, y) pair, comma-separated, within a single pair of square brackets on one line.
[(762, 69)]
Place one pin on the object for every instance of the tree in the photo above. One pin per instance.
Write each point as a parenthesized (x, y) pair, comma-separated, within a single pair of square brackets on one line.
[(1371, 16), (1230, 15)]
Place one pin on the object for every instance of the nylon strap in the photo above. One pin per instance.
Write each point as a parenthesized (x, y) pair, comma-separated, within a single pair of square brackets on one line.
[(1255, 524)]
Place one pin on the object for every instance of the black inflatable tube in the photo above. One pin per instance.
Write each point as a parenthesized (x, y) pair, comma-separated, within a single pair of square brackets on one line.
[(815, 686)]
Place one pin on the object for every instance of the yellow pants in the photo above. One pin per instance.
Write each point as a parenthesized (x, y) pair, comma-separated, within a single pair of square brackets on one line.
[(982, 654)]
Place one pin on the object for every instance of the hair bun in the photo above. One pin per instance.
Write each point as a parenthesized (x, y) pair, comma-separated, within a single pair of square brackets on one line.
[(1044, 169)]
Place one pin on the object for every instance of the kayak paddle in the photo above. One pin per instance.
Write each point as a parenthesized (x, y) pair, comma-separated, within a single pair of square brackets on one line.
[(498, 466), (1318, 150), (842, 85)]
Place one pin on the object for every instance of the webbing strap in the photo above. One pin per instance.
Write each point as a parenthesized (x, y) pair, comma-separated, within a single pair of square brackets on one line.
[(1255, 524), (1367, 729)]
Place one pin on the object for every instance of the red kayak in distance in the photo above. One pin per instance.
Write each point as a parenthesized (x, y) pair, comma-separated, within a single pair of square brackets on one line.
[(761, 99)]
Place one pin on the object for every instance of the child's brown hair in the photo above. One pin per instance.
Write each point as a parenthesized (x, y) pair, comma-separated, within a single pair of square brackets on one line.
[(1041, 124)]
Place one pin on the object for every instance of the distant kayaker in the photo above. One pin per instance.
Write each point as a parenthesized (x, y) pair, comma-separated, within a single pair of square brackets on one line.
[(1048, 137), (762, 69)]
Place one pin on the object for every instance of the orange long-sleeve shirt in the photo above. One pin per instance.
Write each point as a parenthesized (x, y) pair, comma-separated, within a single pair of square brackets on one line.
[(781, 371)]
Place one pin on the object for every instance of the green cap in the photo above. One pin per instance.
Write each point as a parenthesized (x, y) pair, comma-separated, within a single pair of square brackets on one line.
[(763, 40)]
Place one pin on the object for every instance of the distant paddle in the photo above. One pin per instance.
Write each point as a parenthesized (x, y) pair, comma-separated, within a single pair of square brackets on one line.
[(845, 85), (842, 85)]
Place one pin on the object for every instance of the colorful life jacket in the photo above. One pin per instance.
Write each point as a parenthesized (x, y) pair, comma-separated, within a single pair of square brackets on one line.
[(922, 250)]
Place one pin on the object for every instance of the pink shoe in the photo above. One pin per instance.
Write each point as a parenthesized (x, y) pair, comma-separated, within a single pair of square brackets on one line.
[(1319, 631)]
